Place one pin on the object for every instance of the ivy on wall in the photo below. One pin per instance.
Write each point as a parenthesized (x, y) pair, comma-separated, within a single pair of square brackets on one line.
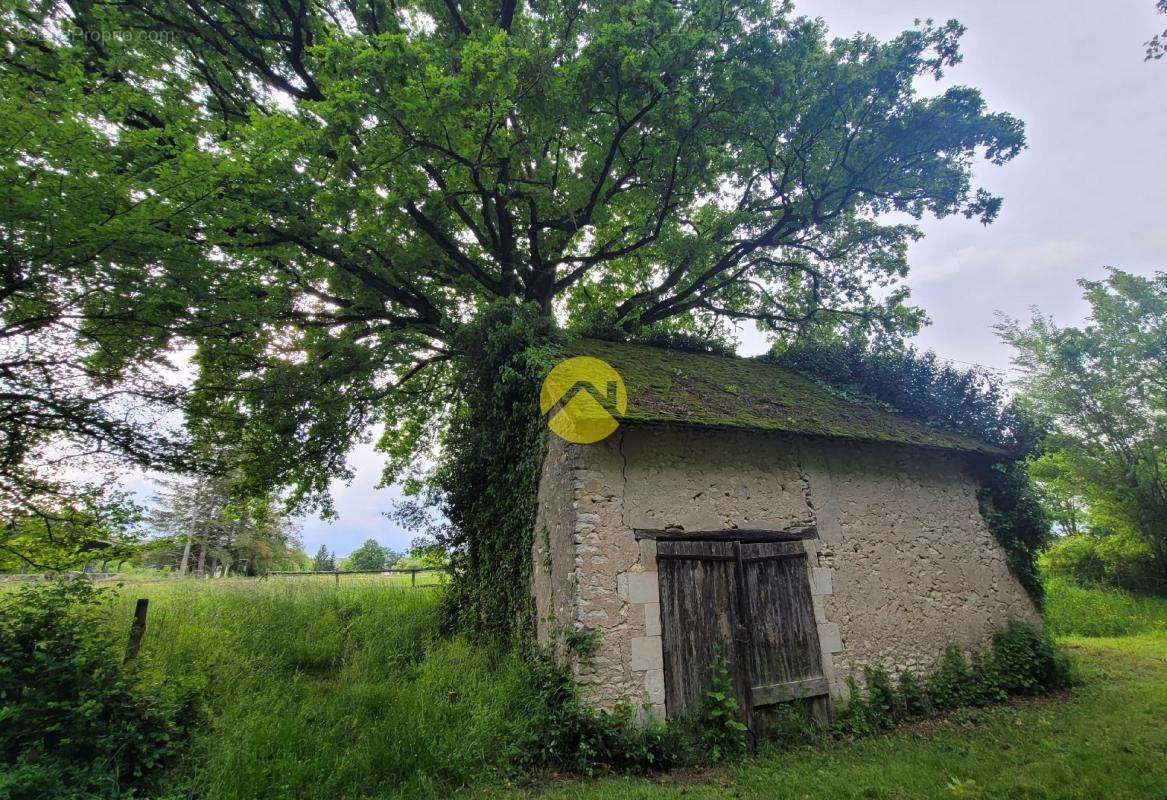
[(488, 476), (971, 402)]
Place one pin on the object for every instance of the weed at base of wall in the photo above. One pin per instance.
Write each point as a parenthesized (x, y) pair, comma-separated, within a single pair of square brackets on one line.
[(1021, 661)]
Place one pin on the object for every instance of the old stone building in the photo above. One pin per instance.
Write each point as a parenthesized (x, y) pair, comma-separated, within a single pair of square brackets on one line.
[(745, 513)]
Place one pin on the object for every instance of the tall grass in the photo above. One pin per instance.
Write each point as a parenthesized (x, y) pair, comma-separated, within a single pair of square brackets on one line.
[(1096, 611), (316, 691)]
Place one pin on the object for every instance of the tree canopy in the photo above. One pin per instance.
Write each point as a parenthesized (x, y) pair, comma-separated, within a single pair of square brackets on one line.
[(1103, 386), (313, 199), (323, 561), (368, 556)]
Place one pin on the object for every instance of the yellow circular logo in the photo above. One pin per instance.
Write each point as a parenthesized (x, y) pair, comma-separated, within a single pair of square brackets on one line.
[(581, 398)]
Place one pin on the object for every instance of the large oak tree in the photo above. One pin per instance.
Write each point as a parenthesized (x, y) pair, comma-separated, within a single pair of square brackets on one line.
[(314, 197)]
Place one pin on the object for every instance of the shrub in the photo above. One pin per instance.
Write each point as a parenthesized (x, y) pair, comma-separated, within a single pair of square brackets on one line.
[(75, 722), (1020, 661), (1026, 662), (561, 731), (913, 698), (950, 686), (1121, 560)]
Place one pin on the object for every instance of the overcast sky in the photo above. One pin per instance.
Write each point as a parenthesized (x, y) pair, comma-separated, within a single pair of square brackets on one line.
[(1090, 191)]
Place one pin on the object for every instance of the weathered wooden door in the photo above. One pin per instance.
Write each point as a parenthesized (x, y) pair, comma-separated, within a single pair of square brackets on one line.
[(746, 602)]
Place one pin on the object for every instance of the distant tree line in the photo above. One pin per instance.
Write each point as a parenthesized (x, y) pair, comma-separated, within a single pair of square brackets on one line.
[(424, 553), (205, 528)]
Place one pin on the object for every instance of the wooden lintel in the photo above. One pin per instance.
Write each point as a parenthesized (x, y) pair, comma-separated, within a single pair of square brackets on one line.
[(791, 534)]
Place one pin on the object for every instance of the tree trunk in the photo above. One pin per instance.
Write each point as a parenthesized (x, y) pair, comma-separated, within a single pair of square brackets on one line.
[(185, 562), (202, 559)]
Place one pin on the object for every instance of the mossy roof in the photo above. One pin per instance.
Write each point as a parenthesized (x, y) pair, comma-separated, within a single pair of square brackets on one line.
[(680, 388)]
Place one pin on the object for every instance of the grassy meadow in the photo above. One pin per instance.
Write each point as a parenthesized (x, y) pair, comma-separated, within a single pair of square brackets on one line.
[(1096, 611), (312, 690)]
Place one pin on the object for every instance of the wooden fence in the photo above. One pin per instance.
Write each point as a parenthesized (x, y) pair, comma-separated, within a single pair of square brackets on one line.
[(168, 577), (412, 572)]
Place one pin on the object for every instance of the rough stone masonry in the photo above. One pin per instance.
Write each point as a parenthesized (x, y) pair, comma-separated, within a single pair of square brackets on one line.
[(903, 564)]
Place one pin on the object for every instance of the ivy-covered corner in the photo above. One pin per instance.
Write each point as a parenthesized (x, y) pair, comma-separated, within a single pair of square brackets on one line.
[(488, 475)]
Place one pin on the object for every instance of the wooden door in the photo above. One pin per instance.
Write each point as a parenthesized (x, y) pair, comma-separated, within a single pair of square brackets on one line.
[(746, 602), (785, 660)]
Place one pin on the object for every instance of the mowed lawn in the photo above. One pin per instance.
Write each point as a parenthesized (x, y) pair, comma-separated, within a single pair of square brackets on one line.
[(1108, 740)]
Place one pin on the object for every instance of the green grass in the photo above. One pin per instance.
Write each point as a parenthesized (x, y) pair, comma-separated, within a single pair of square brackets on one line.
[(1072, 609), (311, 690), (316, 691)]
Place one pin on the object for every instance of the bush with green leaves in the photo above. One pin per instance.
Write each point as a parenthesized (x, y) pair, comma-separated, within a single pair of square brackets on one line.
[(723, 736), (75, 721), (1020, 661), (561, 731), (1122, 560)]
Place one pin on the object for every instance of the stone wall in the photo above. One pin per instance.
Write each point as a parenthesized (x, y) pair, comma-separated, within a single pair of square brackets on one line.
[(903, 564)]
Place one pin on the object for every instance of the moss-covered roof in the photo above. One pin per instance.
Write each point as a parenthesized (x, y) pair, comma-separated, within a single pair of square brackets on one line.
[(675, 387)]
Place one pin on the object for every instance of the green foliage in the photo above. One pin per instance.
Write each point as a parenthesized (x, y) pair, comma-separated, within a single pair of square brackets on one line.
[(954, 683), (324, 201), (912, 697), (583, 642), (1010, 506), (1073, 609), (1103, 389), (723, 736), (66, 527), (368, 556), (487, 480), (1020, 661), (75, 722), (560, 731), (1025, 661), (1122, 560), (323, 561), (964, 401)]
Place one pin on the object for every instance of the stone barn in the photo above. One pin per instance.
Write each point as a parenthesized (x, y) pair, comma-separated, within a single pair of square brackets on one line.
[(746, 513)]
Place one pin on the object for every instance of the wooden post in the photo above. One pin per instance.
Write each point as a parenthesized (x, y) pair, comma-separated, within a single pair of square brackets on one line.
[(137, 628), (336, 574), (413, 576)]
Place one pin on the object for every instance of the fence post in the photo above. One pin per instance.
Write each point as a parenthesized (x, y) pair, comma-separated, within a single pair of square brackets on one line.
[(413, 576), (137, 628), (336, 574)]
